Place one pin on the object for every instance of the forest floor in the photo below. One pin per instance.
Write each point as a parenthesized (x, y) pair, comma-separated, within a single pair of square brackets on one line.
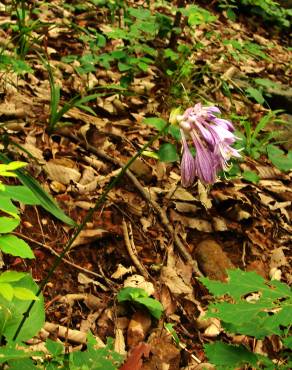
[(138, 236)]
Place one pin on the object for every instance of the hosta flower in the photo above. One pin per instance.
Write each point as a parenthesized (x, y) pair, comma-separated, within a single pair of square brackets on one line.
[(212, 138)]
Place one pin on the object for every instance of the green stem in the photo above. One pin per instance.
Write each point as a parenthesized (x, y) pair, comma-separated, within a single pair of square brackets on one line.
[(87, 218)]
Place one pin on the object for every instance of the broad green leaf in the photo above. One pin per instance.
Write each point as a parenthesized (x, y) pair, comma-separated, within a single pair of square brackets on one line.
[(265, 82), (22, 194), (46, 201), (54, 347), (129, 294), (279, 159), (156, 122), (226, 356), (239, 283), (167, 153), (236, 313), (287, 342), (175, 132), (139, 295), (24, 294), (11, 166), (9, 353), (251, 176), (8, 224), (255, 94), (10, 276), (7, 206), (258, 328), (6, 290), (153, 306), (18, 307), (11, 244)]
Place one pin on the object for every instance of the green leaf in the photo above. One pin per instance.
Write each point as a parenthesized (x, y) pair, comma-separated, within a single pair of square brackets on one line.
[(140, 296), (7, 206), (9, 353), (153, 306), (24, 294), (279, 159), (8, 224), (287, 342), (156, 122), (175, 132), (46, 201), (6, 291), (11, 244), (167, 153), (226, 356), (10, 276), (255, 94), (251, 176), (22, 194), (170, 329), (239, 283), (239, 313), (17, 308), (11, 166), (54, 348), (265, 82), (129, 294)]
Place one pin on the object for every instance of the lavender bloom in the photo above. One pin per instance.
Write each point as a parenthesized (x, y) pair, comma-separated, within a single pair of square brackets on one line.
[(188, 166), (212, 137)]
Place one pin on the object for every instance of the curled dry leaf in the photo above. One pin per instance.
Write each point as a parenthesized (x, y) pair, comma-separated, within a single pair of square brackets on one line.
[(214, 329), (138, 281), (278, 258), (61, 173), (134, 361), (138, 328), (174, 282), (119, 344), (88, 236), (121, 271)]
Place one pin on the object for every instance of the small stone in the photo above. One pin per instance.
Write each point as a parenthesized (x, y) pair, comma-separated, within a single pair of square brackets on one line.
[(212, 261)]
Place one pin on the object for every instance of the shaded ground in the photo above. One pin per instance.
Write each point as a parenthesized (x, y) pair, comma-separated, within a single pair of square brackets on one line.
[(240, 224)]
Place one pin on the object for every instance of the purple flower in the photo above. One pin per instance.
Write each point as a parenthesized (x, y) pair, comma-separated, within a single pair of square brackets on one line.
[(188, 166), (212, 138)]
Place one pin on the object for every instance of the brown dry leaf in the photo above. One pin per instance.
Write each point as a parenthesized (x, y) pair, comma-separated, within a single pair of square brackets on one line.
[(138, 281), (167, 301), (119, 344), (278, 258), (165, 354), (219, 224), (174, 282), (185, 207), (192, 222), (88, 236), (203, 196), (61, 172), (214, 329), (141, 169), (278, 188), (134, 360), (121, 271), (138, 328), (179, 193)]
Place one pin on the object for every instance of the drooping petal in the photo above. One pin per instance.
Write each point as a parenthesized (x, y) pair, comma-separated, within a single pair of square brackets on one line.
[(205, 161), (188, 168), (224, 123)]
